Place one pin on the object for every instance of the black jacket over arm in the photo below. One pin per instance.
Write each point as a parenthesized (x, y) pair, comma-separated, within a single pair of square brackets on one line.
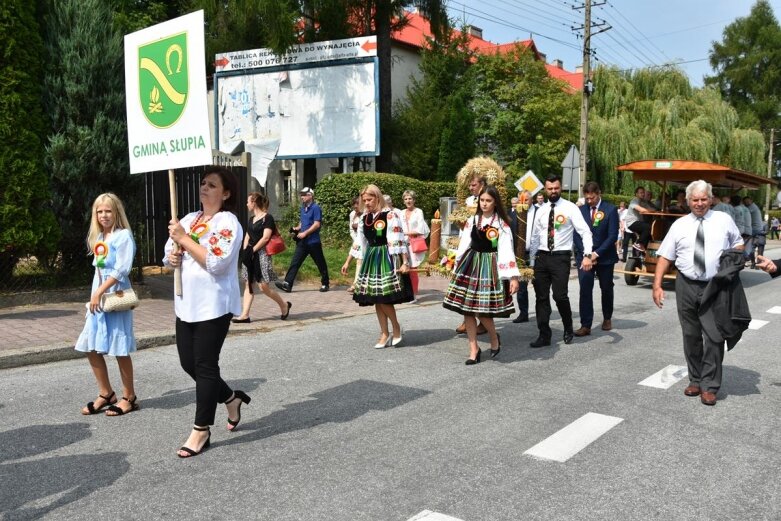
[(725, 298)]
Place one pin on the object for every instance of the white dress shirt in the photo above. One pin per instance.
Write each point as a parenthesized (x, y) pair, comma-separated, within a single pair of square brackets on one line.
[(562, 239), (678, 246)]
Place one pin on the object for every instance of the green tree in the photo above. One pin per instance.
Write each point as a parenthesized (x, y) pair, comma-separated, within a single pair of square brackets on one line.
[(522, 115), (420, 119), (748, 67), (84, 95), (133, 15), (656, 114), (458, 139), (27, 224)]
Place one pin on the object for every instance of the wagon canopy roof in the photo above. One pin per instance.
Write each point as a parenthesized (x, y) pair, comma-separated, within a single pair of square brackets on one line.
[(684, 172)]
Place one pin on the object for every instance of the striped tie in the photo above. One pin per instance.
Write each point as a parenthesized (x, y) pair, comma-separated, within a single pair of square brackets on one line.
[(699, 250)]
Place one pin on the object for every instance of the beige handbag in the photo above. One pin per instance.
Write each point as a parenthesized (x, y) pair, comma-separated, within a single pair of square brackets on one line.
[(120, 300)]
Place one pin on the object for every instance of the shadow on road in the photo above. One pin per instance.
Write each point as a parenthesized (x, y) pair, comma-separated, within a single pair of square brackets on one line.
[(178, 398), (31, 489), (339, 404), (739, 382)]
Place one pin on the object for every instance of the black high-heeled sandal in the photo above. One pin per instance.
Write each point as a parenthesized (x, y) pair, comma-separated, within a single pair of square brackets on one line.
[(284, 317), (495, 352), (117, 410), (190, 452), (91, 405), (476, 360), (243, 398)]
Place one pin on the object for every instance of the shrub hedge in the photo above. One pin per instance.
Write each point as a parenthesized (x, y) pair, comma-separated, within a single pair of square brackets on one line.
[(335, 193)]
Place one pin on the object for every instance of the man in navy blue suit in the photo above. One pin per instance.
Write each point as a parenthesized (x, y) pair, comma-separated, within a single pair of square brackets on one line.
[(603, 218)]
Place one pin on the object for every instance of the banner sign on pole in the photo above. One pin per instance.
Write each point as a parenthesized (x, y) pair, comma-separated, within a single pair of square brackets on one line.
[(165, 87), (349, 48)]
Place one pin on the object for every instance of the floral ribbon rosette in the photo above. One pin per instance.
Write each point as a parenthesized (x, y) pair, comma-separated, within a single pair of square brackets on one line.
[(492, 234), (198, 231), (378, 227), (101, 252), (559, 221), (598, 216)]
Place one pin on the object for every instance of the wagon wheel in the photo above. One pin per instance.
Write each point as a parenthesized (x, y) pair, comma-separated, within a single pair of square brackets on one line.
[(632, 264)]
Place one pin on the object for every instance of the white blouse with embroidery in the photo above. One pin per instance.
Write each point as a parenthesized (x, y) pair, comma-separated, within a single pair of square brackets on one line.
[(212, 292), (397, 241), (505, 258), (415, 224)]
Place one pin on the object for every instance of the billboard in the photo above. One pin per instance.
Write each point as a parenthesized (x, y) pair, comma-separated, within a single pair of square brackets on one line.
[(318, 100)]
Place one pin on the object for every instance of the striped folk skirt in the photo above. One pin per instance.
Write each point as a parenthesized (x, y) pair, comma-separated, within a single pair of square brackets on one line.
[(475, 288), (378, 282)]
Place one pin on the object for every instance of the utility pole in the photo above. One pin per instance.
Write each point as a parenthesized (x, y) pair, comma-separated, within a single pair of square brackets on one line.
[(588, 86), (769, 171)]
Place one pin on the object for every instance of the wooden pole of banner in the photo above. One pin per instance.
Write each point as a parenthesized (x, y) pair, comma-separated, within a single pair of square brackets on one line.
[(174, 213)]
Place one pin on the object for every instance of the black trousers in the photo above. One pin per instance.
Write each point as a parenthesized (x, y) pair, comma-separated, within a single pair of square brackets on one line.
[(703, 355), (299, 256), (643, 231), (552, 271), (199, 345)]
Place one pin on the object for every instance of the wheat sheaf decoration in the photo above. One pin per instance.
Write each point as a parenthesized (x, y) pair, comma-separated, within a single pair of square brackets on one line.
[(484, 167)]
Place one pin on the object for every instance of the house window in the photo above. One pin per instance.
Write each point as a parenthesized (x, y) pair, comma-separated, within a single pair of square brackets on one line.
[(287, 187)]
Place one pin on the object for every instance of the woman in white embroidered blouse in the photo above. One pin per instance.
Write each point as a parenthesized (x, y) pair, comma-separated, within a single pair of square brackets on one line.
[(355, 248), (414, 224), (210, 242)]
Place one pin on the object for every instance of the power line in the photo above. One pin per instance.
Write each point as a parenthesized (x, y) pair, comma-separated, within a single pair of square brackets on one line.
[(563, 28), (482, 15), (644, 37), (621, 36), (557, 16)]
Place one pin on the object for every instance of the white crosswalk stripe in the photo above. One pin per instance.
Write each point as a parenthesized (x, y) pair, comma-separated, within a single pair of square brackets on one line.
[(428, 515), (666, 378), (775, 310), (756, 324), (573, 438)]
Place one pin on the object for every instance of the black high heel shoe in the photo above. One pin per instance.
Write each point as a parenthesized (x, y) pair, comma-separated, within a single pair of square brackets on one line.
[(495, 352), (284, 316), (190, 452), (243, 398), (470, 361)]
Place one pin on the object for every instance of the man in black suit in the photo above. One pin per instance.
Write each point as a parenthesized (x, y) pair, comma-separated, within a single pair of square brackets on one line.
[(602, 218)]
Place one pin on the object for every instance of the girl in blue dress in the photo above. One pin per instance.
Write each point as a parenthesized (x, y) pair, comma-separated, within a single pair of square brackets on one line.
[(111, 242)]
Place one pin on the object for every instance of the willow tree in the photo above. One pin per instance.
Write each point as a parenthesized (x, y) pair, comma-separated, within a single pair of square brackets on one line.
[(656, 114)]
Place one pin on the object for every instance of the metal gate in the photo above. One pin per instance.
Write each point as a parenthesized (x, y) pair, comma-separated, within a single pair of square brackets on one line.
[(157, 206)]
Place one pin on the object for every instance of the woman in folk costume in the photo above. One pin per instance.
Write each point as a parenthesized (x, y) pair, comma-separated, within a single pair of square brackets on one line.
[(383, 280), (485, 263)]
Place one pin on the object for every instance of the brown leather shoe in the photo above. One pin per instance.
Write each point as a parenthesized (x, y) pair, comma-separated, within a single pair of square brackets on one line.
[(607, 325), (461, 329), (481, 330), (583, 331), (708, 398), (692, 390)]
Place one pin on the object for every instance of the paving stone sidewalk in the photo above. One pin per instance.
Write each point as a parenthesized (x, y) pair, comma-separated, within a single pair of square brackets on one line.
[(45, 333)]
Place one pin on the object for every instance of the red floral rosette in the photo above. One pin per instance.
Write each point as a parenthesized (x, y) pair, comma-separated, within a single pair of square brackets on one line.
[(559, 221), (598, 216), (101, 252), (198, 231)]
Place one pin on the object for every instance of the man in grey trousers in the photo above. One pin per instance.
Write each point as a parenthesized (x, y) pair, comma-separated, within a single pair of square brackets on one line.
[(695, 243)]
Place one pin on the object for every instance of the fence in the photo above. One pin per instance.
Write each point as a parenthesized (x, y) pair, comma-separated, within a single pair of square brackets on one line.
[(27, 274)]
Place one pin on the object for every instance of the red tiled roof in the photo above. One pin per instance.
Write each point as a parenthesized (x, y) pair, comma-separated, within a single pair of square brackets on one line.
[(418, 30)]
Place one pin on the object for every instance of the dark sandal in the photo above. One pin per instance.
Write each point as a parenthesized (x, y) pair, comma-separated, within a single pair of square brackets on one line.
[(190, 452), (91, 405), (243, 398), (118, 411), (284, 317)]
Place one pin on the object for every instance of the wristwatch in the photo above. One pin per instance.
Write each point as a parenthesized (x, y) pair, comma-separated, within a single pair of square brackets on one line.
[(588, 256)]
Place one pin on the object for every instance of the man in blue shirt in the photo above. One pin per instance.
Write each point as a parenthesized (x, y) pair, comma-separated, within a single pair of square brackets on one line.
[(308, 243)]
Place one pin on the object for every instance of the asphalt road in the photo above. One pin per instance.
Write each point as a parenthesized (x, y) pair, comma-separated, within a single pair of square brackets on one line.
[(339, 431)]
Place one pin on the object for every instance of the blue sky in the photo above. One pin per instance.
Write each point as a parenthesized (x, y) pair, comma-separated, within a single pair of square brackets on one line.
[(644, 32)]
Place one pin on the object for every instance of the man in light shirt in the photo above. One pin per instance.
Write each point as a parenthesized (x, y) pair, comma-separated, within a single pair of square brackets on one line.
[(551, 248), (695, 243)]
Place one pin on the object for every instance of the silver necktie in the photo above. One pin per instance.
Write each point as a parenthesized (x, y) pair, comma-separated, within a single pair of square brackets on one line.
[(699, 250)]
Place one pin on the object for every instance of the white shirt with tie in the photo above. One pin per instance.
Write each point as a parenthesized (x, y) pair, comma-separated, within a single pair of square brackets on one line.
[(678, 246), (570, 220)]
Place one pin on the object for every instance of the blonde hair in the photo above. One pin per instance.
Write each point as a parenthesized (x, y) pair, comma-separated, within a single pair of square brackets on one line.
[(117, 209), (375, 191)]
